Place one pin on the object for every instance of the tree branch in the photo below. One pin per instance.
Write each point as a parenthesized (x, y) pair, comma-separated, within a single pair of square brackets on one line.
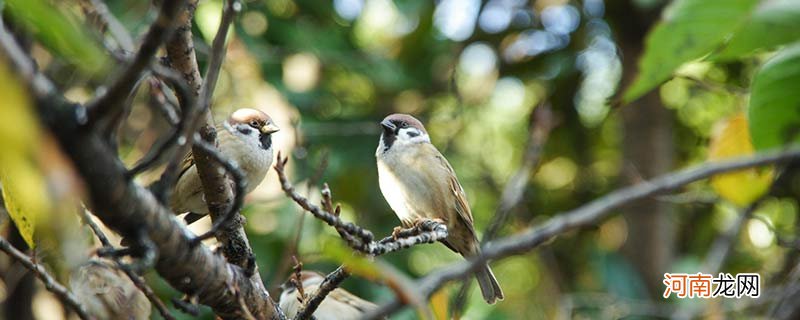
[(181, 132), (330, 283), (542, 122), (121, 88), (49, 281), (586, 215), (107, 21), (240, 182), (131, 210), (358, 238), (180, 49), (135, 278)]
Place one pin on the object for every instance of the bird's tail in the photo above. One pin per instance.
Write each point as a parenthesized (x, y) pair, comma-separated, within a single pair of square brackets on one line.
[(490, 289)]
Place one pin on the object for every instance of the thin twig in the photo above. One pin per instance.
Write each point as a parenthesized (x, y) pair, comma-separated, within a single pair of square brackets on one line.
[(232, 7), (298, 231), (25, 66), (542, 121), (330, 283), (713, 86), (49, 281), (586, 215), (135, 278), (718, 253), (358, 238), (108, 22), (297, 279), (121, 88), (180, 134)]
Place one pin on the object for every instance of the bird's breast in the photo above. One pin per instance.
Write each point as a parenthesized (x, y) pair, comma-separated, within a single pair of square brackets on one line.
[(409, 189), (393, 190), (253, 160)]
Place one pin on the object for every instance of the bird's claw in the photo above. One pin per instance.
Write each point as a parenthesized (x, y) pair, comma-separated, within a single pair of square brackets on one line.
[(396, 232)]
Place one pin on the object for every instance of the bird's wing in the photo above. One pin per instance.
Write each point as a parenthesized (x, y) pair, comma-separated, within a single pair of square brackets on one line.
[(188, 162), (461, 205), (352, 300)]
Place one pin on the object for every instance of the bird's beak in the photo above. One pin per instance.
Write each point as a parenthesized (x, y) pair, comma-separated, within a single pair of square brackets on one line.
[(388, 125), (269, 129)]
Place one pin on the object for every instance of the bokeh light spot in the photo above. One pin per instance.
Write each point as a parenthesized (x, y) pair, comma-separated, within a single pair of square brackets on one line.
[(301, 72)]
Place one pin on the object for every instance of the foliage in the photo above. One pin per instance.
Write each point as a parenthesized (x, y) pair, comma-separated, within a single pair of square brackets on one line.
[(475, 72), (24, 189)]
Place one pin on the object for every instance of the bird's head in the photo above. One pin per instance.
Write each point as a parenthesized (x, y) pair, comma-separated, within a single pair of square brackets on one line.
[(253, 126), (402, 129)]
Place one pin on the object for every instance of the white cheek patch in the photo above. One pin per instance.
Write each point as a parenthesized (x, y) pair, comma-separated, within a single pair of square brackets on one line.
[(249, 135), (411, 135)]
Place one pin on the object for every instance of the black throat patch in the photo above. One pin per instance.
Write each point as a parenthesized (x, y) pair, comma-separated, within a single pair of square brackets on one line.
[(266, 141), (388, 140)]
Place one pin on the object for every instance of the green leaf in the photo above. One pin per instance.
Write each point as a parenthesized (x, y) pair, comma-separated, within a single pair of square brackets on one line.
[(775, 22), (689, 30), (774, 109), (65, 37)]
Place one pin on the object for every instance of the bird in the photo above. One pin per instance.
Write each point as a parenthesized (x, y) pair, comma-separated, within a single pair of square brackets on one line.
[(339, 304), (418, 183), (107, 293), (245, 138)]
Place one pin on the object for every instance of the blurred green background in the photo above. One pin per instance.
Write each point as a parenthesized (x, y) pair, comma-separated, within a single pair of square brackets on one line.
[(476, 72)]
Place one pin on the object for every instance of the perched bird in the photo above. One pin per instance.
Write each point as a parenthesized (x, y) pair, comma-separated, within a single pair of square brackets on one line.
[(107, 293), (419, 183), (246, 138), (339, 304)]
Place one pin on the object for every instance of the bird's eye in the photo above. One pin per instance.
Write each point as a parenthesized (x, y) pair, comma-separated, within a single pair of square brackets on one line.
[(404, 125), (254, 124)]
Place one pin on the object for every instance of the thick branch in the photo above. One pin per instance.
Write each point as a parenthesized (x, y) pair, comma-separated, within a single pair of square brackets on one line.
[(240, 183), (586, 215), (130, 210), (49, 281), (223, 203), (180, 49)]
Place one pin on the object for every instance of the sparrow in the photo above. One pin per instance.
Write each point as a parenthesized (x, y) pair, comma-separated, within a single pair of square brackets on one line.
[(107, 293), (245, 138), (418, 183), (339, 304)]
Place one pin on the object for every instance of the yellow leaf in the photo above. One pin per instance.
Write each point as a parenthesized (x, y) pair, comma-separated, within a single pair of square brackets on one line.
[(439, 304), (24, 187), (732, 139)]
